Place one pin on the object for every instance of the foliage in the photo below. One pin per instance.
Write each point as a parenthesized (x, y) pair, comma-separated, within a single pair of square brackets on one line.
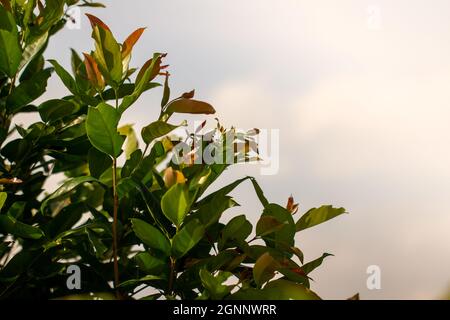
[(148, 223)]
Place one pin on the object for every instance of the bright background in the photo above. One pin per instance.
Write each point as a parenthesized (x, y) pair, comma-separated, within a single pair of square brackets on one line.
[(360, 92)]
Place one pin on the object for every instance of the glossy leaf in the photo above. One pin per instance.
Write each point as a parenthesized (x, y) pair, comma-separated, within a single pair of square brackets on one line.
[(93, 73), (175, 204), (264, 269), (65, 77), (267, 225), (66, 187), (101, 127), (156, 130), (151, 236), (107, 51), (32, 49), (310, 266), (149, 263), (187, 238), (235, 231), (3, 196), (10, 225), (56, 109), (317, 216), (28, 91), (148, 72), (98, 162), (10, 51), (214, 285)]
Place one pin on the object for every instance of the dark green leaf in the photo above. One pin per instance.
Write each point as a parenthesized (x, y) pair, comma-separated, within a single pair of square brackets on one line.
[(187, 238), (151, 236), (29, 90), (235, 232), (10, 225), (67, 187), (56, 109), (99, 162), (310, 266)]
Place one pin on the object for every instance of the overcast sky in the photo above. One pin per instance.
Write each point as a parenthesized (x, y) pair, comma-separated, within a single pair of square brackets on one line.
[(360, 93)]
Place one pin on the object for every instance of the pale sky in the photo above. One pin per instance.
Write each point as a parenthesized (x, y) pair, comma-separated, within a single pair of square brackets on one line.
[(360, 93)]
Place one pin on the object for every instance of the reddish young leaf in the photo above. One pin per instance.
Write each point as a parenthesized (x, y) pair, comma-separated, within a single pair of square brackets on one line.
[(188, 95), (156, 69), (93, 73), (131, 41), (291, 206), (96, 22)]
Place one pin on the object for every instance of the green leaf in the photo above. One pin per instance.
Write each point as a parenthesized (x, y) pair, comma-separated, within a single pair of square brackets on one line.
[(277, 290), (33, 48), (166, 92), (56, 109), (310, 266), (259, 192), (147, 74), (267, 225), (264, 269), (101, 128), (150, 264), (96, 243), (10, 225), (211, 212), (65, 77), (317, 216), (175, 203), (126, 89), (28, 91), (49, 17), (187, 238), (183, 105), (235, 232), (3, 196), (65, 219), (34, 66), (284, 237), (10, 52), (134, 282), (151, 236), (67, 187), (98, 162), (214, 284), (156, 130), (107, 52)]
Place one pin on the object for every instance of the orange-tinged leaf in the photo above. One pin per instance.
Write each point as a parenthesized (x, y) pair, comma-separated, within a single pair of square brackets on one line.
[(172, 177), (188, 95), (93, 73), (131, 41), (96, 22), (6, 4), (291, 206), (148, 64), (10, 181)]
